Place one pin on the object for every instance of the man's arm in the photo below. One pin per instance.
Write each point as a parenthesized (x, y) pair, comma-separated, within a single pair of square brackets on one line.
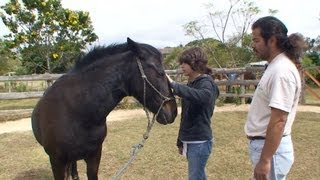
[(273, 138)]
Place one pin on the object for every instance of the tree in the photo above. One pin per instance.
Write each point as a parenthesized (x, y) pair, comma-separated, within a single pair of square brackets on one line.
[(7, 60), (230, 27), (170, 61), (313, 51), (47, 36)]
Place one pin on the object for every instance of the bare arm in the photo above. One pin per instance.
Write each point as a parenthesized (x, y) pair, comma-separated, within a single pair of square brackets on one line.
[(273, 138)]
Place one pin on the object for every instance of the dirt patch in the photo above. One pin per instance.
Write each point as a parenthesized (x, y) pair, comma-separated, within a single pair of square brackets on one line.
[(117, 115)]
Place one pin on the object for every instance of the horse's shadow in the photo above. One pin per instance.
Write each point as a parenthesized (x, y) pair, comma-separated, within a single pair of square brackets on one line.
[(32, 174)]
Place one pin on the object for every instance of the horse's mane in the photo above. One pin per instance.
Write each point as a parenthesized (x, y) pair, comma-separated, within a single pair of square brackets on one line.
[(97, 52)]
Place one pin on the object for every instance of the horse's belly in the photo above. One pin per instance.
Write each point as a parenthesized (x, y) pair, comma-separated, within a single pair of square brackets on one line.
[(75, 143)]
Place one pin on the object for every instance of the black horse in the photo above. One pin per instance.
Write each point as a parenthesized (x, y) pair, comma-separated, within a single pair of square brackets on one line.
[(69, 121)]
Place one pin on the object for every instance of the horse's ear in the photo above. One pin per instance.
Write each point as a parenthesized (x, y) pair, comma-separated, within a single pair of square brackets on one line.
[(130, 41), (134, 47)]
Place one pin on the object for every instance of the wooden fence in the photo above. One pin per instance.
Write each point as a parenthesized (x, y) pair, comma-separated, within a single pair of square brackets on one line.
[(306, 73), (175, 73), (25, 78), (229, 87)]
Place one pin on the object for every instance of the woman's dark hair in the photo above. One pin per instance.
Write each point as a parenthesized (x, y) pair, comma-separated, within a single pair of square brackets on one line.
[(293, 45), (197, 59)]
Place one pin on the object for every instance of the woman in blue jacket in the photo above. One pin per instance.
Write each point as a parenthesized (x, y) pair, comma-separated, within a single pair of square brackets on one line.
[(198, 96)]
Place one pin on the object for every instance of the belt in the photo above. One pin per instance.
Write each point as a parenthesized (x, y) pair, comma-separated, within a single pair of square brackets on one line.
[(256, 137), (260, 137)]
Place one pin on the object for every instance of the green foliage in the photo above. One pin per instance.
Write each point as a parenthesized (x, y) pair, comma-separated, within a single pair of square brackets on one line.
[(48, 36), (194, 29), (8, 65), (15, 86), (21, 87), (7, 61), (218, 54), (21, 70), (307, 62), (314, 57), (313, 44), (171, 60), (229, 46)]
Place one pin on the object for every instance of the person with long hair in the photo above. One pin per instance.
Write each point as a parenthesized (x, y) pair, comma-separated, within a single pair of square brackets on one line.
[(275, 101)]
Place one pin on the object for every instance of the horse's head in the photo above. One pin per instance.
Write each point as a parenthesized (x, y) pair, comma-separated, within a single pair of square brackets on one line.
[(150, 84)]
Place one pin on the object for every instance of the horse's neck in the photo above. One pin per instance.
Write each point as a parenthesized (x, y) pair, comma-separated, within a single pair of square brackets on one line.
[(115, 82)]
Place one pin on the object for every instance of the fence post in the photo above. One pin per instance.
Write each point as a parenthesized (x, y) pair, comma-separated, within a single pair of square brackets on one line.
[(9, 74), (303, 85), (9, 83), (242, 90)]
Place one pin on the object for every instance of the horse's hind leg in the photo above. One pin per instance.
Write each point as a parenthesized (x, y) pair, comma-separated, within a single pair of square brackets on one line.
[(93, 162), (59, 169), (74, 171)]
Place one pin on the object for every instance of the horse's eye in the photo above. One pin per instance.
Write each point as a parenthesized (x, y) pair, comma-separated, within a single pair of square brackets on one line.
[(157, 68)]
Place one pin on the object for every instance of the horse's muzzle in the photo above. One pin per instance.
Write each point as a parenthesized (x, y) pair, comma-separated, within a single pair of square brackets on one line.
[(168, 113)]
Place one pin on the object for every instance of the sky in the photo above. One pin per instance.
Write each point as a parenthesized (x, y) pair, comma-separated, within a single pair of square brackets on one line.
[(160, 22)]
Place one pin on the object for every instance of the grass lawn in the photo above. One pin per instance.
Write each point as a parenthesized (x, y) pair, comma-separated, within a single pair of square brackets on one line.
[(18, 104), (21, 157), (310, 98)]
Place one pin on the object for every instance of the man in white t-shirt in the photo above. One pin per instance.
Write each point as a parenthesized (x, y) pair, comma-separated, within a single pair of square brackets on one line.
[(273, 108)]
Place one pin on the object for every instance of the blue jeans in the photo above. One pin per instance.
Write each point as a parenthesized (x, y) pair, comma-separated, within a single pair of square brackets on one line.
[(282, 160), (198, 155)]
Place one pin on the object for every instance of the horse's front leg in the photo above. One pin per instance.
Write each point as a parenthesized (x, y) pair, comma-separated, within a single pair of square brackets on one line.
[(59, 168), (93, 162)]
